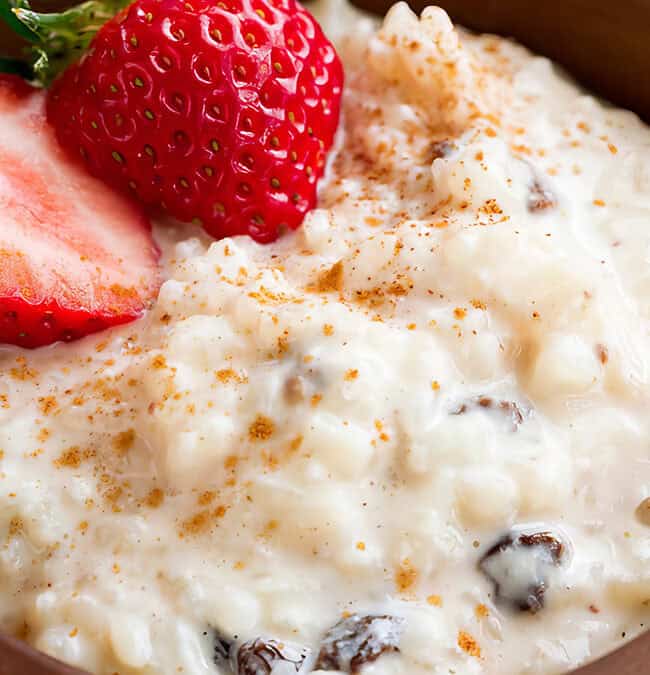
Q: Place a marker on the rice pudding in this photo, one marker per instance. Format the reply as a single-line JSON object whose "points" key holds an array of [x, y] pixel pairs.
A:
{"points": [[410, 438]]}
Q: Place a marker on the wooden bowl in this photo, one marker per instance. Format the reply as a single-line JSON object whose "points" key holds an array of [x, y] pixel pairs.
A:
{"points": [[606, 46], [18, 658]]}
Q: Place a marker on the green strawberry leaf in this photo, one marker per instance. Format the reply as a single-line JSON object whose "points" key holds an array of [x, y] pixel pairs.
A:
{"points": [[58, 38], [7, 15]]}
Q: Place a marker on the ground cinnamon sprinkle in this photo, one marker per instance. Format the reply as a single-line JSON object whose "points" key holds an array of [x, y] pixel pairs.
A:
{"points": [[15, 526], [123, 442], [295, 444], [602, 353], [406, 576], [159, 362], [73, 457], [47, 404], [23, 372], [196, 524], [206, 497], [230, 463], [261, 429], [113, 496], [226, 375], [491, 207], [481, 611], [468, 644], [155, 498], [283, 343], [331, 279]]}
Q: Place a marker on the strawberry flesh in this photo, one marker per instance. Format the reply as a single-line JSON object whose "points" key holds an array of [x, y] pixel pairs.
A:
{"points": [[75, 258]]}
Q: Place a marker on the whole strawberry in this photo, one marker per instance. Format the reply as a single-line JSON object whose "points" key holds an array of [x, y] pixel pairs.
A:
{"points": [[218, 112]]}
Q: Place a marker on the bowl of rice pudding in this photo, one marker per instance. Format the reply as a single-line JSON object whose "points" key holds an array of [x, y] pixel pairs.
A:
{"points": [[409, 438]]}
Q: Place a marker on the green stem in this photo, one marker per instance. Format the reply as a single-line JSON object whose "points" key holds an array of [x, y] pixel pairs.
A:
{"points": [[7, 15], [58, 38]]}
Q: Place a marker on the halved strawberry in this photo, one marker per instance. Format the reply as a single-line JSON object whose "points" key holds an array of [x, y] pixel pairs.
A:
{"points": [[74, 257]]}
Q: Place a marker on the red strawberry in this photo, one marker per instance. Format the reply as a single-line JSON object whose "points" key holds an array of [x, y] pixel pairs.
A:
{"points": [[74, 257], [216, 111]]}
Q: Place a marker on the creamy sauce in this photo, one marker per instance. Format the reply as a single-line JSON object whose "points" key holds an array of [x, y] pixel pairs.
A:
{"points": [[348, 421]]}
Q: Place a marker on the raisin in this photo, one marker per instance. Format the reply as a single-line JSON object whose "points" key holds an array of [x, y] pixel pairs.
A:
{"points": [[259, 657], [512, 409], [222, 648], [302, 384], [540, 198], [295, 389], [358, 640], [643, 511], [508, 408], [521, 566], [438, 149]]}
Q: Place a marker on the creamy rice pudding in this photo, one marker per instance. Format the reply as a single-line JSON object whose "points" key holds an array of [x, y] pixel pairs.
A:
{"points": [[411, 437]]}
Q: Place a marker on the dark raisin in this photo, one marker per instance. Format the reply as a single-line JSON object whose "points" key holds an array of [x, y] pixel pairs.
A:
{"points": [[259, 657], [522, 565], [509, 408], [302, 384], [512, 409], [222, 648], [540, 198], [438, 149], [295, 389], [643, 511], [358, 640]]}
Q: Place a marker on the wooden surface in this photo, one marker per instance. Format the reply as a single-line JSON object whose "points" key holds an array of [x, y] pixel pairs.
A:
{"points": [[606, 46]]}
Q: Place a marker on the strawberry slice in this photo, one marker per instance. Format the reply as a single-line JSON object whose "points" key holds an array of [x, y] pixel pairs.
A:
{"points": [[75, 258]]}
